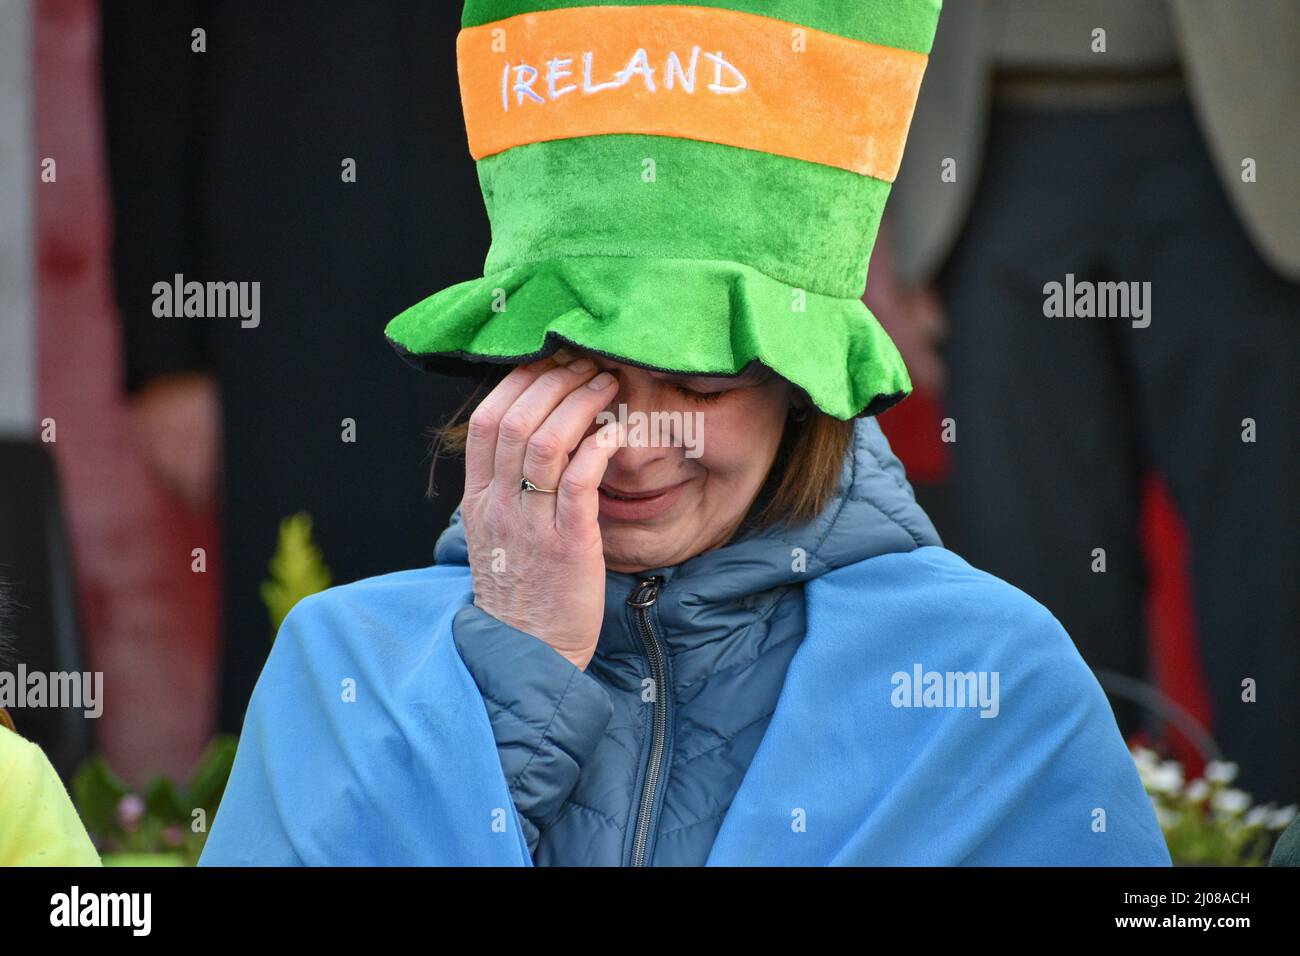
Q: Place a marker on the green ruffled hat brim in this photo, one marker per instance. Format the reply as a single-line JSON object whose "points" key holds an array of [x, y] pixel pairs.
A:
{"points": [[656, 313]]}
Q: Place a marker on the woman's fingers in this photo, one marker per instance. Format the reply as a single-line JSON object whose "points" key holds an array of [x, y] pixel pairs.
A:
{"points": [[547, 452], [522, 419], [577, 505], [481, 441], [531, 425]]}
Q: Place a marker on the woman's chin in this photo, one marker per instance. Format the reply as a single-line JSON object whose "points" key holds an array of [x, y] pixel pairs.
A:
{"points": [[629, 550]]}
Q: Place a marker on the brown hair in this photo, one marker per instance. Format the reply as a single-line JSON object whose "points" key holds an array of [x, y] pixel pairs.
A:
{"points": [[801, 483]]}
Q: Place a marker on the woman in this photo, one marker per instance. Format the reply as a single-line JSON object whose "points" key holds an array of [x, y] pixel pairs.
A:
{"points": [[38, 824], [688, 611]]}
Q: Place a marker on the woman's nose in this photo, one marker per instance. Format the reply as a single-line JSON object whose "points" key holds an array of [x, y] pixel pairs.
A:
{"points": [[649, 433], [639, 451]]}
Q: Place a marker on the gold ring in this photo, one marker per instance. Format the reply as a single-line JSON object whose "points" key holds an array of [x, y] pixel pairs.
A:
{"points": [[526, 485]]}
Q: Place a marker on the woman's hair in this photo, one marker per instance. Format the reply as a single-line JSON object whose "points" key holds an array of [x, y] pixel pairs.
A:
{"points": [[800, 484]]}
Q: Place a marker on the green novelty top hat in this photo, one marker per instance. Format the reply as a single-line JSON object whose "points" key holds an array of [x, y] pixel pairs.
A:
{"points": [[685, 187]]}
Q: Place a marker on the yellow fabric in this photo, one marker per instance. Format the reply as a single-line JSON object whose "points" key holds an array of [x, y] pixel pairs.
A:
{"points": [[38, 824], [701, 73]]}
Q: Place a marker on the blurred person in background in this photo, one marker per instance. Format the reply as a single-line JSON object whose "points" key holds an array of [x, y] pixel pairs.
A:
{"points": [[297, 145], [1130, 141]]}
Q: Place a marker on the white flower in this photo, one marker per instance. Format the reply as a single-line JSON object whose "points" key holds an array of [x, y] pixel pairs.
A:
{"points": [[1231, 801], [1167, 778], [1281, 819], [1144, 758], [1220, 771], [1197, 790], [1258, 816]]}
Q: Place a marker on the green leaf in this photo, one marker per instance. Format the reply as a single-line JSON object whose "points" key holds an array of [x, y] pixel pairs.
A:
{"points": [[164, 803], [96, 791], [297, 569], [209, 780]]}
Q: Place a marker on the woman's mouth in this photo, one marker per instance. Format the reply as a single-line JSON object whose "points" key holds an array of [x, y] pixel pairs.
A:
{"points": [[618, 504]]}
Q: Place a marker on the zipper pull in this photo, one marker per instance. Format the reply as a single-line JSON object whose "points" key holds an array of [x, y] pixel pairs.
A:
{"points": [[646, 592]]}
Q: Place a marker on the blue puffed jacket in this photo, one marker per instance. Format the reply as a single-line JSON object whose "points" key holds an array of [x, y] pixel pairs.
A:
{"points": [[846, 692]]}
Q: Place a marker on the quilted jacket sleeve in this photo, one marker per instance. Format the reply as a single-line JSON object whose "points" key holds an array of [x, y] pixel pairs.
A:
{"points": [[547, 715]]}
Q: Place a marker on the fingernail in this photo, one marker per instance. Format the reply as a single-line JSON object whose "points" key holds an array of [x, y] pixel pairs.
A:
{"points": [[582, 366], [562, 356], [603, 380]]}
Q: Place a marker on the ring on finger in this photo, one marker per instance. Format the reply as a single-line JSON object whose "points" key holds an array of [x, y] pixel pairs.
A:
{"points": [[526, 485]]}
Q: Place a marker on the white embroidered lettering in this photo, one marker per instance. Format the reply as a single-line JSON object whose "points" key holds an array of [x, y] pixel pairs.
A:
{"points": [[553, 73], [525, 86], [675, 65], [639, 63], [586, 77], [716, 86], [727, 77]]}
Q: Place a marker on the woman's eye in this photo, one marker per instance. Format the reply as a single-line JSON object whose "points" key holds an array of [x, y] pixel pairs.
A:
{"points": [[698, 396]]}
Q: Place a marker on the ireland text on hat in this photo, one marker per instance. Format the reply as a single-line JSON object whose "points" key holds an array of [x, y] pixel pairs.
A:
{"points": [[726, 77], [703, 73]]}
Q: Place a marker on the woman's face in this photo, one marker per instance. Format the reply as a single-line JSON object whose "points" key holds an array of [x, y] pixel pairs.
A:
{"points": [[697, 450]]}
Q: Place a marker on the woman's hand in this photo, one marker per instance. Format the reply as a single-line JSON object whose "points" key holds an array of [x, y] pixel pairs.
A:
{"points": [[536, 559]]}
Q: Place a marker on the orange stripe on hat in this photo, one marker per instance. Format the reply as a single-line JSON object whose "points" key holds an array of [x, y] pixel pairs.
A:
{"points": [[701, 73]]}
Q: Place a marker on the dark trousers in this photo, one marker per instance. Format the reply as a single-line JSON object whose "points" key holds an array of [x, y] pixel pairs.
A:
{"points": [[1058, 419]]}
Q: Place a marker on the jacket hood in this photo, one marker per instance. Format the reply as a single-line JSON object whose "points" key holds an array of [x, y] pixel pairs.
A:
{"points": [[873, 512]]}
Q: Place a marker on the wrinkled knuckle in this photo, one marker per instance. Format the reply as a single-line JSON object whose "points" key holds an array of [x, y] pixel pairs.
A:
{"points": [[514, 427], [544, 446], [558, 374], [482, 423]]}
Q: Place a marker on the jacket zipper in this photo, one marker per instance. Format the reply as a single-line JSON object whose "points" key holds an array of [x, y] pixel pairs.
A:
{"points": [[641, 600]]}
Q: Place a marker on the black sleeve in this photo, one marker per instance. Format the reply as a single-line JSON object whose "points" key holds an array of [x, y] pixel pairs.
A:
{"points": [[151, 84]]}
